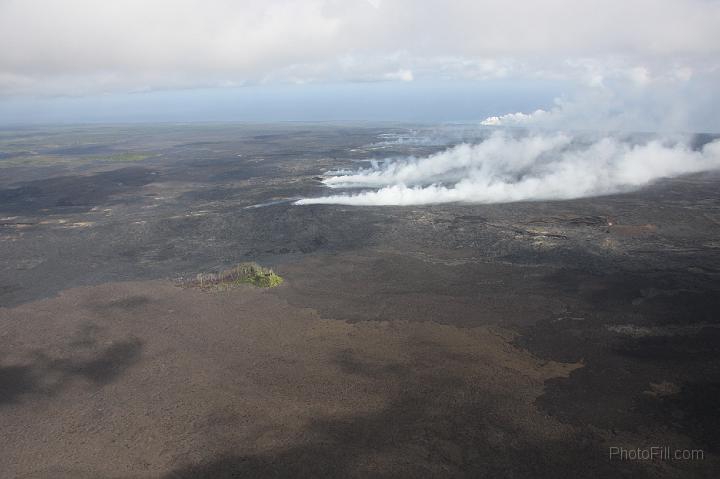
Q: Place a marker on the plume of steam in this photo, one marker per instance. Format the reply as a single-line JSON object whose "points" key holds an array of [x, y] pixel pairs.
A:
{"points": [[503, 168], [514, 119]]}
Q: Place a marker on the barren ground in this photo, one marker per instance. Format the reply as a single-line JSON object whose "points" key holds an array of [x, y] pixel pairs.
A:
{"points": [[516, 340]]}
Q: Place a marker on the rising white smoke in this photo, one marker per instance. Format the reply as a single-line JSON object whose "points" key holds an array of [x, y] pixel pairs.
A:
{"points": [[536, 167], [514, 119]]}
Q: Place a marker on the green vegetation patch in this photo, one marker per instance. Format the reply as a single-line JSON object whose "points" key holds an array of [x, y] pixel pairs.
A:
{"points": [[244, 273]]}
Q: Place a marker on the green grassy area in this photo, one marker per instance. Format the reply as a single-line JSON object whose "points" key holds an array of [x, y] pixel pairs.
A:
{"points": [[244, 273]]}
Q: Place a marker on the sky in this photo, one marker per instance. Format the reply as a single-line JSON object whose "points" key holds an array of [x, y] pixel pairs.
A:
{"points": [[641, 65]]}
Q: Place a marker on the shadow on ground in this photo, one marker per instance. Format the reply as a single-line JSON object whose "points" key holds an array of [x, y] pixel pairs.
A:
{"points": [[47, 375]]}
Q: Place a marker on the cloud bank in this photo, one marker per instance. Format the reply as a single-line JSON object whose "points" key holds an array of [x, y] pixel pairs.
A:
{"points": [[619, 64], [506, 168], [72, 46]]}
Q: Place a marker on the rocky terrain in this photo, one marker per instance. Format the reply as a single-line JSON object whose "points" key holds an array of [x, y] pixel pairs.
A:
{"points": [[458, 340]]}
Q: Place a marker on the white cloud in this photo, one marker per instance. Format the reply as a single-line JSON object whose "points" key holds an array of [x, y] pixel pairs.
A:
{"points": [[536, 167], [402, 75], [58, 46], [641, 64], [640, 75]]}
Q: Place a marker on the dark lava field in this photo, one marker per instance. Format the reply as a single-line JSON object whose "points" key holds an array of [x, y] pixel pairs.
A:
{"points": [[457, 340]]}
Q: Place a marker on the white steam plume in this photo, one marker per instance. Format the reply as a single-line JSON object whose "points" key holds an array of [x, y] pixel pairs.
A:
{"points": [[513, 119], [535, 167]]}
